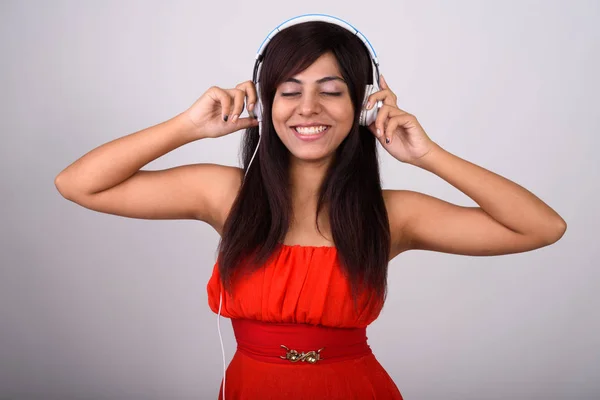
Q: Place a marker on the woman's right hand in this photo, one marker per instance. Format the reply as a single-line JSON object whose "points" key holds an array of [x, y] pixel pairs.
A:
{"points": [[216, 112]]}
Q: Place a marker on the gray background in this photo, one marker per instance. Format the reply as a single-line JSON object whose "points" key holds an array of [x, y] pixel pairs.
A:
{"points": [[94, 306]]}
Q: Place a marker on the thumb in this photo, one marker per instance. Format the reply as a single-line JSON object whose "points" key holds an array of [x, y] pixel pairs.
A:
{"points": [[246, 122], [373, 128]]}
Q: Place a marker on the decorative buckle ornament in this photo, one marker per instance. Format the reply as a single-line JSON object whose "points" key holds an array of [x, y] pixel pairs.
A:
{"points": [[310, 357]]}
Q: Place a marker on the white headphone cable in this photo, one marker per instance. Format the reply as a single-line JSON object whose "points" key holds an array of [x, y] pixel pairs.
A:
{"points": [[255, 150], [221, 339]]}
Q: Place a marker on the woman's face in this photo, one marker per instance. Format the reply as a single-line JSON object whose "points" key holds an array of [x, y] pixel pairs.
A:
{"points": [[312, 112]]}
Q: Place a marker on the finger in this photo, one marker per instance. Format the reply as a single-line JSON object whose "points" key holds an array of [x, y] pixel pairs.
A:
{"points": [[251, 94], [385, 95], [400, 120], [238, 103], [383, 83], [392, 125], [380, 121], [224, 100], [385, 113]]}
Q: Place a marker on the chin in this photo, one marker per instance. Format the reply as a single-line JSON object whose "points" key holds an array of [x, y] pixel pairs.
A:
{"points": [[311, 156]]}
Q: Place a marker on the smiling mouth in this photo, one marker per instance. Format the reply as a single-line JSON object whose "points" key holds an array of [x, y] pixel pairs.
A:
{"points": [[309, 131]]}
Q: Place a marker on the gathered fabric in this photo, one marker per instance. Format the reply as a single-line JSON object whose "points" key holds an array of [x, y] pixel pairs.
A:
{"points": [[299, 334]]}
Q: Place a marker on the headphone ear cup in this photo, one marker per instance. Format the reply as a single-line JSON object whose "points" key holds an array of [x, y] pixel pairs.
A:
{"points": [[367, 117], [257, 111]]}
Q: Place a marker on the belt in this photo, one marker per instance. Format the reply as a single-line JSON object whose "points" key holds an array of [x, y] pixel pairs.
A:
{"points": [[285, 343]]}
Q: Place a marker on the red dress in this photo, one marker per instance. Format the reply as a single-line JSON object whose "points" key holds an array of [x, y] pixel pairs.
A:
{"points": [[301, 284]]}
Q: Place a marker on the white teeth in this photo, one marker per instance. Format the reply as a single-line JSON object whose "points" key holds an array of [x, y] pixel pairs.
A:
{"points": [[313, 130]]}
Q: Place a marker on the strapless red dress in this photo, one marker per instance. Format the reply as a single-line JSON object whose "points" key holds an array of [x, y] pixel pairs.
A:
{"points": [[301, 285]]}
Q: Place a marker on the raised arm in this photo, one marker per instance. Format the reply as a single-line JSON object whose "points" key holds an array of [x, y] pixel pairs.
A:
{"points": [[109, 178]]}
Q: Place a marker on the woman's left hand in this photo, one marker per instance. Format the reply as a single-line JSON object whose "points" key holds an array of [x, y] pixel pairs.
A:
{"points": [[400, 132]]}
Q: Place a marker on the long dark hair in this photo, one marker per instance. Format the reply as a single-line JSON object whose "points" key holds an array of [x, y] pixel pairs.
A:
{"points": [[260, 216]]}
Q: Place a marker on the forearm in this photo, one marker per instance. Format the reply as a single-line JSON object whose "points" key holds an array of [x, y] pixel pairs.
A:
{"points": [[112, 163], [507, 202]]}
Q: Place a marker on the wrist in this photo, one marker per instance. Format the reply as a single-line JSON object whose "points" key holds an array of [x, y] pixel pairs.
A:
{"points": [[185, 127], [426, 159]]}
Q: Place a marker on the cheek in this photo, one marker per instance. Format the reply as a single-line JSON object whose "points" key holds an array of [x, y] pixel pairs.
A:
{"points": [[279, 113], [346, 119], [346, 114], [280, 116]]}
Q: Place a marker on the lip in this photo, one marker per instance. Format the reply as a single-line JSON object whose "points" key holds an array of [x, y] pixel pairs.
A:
{"points": [[307, 125], [310, 138]]}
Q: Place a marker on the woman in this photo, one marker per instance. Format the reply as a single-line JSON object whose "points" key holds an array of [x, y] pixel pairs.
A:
{"points": [[306, 230]]}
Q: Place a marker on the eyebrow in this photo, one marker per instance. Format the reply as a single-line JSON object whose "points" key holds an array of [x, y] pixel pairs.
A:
{"points": [[322, 80]]}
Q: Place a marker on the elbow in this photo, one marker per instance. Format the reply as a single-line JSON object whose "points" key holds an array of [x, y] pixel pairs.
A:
{"points": [[557, 231], [58, 183], [61, 186]]}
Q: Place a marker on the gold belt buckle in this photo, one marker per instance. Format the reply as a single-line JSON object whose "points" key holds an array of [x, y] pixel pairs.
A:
{"points": [[311, 357]]}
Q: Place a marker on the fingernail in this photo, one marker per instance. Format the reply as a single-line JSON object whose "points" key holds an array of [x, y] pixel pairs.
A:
{"points": [[378, 132], [234, 118], [387, 140], [225, 118], [369, 105], [250, 106]]}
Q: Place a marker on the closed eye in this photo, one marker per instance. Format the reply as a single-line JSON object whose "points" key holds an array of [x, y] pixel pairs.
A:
{"points": [[325, 93]]}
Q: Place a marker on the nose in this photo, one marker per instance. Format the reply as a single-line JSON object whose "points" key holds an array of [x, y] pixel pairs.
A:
{"points": [[309, 104]]}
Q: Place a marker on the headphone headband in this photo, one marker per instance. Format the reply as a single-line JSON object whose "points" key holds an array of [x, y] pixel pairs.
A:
{"points": [[317, 17]]}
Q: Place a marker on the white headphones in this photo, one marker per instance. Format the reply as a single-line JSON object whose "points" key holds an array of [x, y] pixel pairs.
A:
{"points": [[367, 117]]}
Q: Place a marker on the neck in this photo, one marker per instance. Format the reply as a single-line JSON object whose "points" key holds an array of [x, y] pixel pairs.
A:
{"points": [[305, 180]]}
